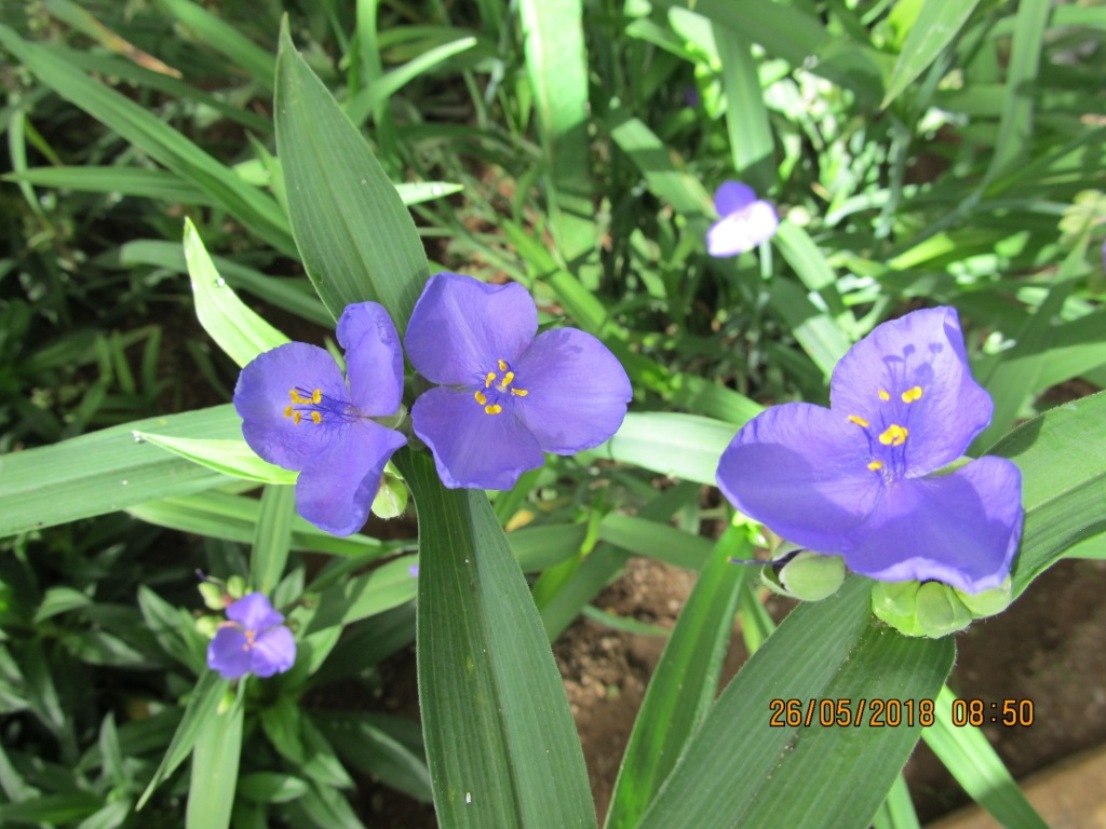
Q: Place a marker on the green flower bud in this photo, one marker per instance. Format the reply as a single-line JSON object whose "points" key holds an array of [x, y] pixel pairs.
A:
{"points": [[391, 498], [212, 595], [808, 576], [236, 587]]}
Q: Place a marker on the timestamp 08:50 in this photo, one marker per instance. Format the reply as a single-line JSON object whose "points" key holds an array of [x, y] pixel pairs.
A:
{"points": [[893, 713]]}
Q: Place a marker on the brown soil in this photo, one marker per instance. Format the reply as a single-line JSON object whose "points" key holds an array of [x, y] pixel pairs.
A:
{"points": [[1050, 647]]}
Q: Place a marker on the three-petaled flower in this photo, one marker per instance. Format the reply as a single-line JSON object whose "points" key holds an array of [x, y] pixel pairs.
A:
{"points": [[253, 641], [505, 396], [857, 479], [298, 412], [745, 221]]}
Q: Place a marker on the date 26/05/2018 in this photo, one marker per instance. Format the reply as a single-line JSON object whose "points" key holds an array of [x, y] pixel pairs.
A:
{"points": [[892, 713]]}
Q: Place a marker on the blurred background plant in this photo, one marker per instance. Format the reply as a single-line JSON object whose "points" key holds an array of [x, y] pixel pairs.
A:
{"points": [[569, 146]]}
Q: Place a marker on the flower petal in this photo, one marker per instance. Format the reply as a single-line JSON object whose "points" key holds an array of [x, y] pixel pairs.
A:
{"points": [[473, 449], [374, 359], [254, 612], [732, 196], [460, 327], [261, 398], [920, 353], [229, 652], [801, 470], [576, 391], [274, 652], [742, 231], [336, 490], [962, 529]]}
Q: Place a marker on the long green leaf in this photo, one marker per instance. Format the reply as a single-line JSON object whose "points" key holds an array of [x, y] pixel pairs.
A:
{"points": [[357, 240], [215, 769], [686, 446], [500, 741], [936, 26], [810, 775], [107, 471], [683, 685]]}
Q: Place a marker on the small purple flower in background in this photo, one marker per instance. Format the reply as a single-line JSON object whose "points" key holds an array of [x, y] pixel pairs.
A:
{"points": [[505, 396], [254, 641], [856, 479], [745, 222], [298, 412]]}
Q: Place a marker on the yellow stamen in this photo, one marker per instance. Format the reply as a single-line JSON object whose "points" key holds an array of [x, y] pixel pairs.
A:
{"points": [[502, 365], [910, 395], [494, 409], [488, 380], [317, 396], [296, 418], [859, 421], [884, 396], [875, 466], [288, 411], [519, 392], [316, 417], [506, 381], [893, 435], [481, 398]]}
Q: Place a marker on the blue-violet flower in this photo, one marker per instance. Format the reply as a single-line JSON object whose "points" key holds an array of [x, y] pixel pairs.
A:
{"points": [[857, 479], [746, 220], [254, 641], [505, 396], [300, 413]]}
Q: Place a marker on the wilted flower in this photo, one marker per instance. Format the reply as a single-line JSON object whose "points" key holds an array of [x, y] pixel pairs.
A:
{"points": [[254, 641], [857, 479], [505, 395], [746, 220], [300, 413]]}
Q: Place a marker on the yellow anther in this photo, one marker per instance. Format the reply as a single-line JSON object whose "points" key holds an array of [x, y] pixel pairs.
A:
{"points": [[884, 396], [859, 421], [317, 396], [506, 381], [893, 435], [489, 379], [519, 392], [316, 417], [875, 466], [502, 365], [493, 409], [288, 411], [296, 418], [910, 395], [481, 398]]}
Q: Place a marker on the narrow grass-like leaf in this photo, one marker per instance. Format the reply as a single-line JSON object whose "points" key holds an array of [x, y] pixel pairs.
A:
{"points": [[751, 144], [500, 741], [215, 769], [239, 331], [107, 471], [357, 240], [1062, 456], [127, 181], [897, 811], [761, 775], [254, 209], [683, 685], [968, 756], [655, 540], [219, 35], [273, 539], [556, 64], [199, 712], [686, 446], [936, 26], [229, 457]]}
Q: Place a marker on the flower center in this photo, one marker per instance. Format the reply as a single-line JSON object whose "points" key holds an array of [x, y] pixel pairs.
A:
{"points": [[498, 386], [312, 405], [886, 446], [251, 636]]}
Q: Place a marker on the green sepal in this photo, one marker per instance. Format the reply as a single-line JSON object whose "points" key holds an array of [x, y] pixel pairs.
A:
{"points": [[808, 576], [391, 498], [933, 609]]}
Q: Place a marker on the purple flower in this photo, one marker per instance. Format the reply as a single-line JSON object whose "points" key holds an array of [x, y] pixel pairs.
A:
{"points": [[254, 641], [505, 396], [857, 479], [746, 220], [300, 413]]}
